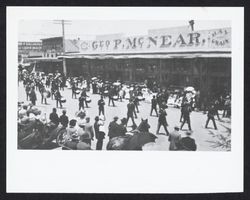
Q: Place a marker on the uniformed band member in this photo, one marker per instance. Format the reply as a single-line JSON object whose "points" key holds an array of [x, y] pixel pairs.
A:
{"points": [[186, 116], [210, 116], [58, 97], [154, 106], [162, 121], [131, 111], [101, 104]]}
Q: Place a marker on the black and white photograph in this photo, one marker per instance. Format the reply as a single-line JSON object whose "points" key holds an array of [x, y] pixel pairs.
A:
{"points": [[124, 85], [136, 88]]}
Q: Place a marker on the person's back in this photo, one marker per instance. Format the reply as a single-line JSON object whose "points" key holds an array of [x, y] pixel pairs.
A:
{"points": [[162, 116], [89, 130], [154, 102], [131, 108], [64, 120], [188, 144], [54, 118], [174, 139], [113, 129]]}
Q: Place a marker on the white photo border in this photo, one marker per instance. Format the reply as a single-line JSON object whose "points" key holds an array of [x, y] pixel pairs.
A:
{"points": [[125, 172]]}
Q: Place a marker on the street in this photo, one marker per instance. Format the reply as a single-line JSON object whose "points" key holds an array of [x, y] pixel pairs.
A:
{"points": [[204, 137]]}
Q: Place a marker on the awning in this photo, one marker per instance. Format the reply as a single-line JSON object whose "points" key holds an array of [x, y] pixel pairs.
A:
{"points": [[151, 56], [42, 59]]}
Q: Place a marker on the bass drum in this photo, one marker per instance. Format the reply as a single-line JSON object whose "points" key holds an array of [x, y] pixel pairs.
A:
{"points": [[88, 100], [115, 98], [63, 100]]}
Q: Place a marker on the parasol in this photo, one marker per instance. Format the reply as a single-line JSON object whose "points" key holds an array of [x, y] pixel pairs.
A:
{"points": [[94, 78]]}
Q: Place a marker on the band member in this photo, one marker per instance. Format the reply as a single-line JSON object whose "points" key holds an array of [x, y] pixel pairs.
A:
{"points": [[154, 106], [27, 90], [131, 111], [111, 94], [101, 104], [162, 121], [73, 87], [210, 116], [136, 102], [82, 100], [58, 97], [186, 116], [32, 96], [43, 95]]}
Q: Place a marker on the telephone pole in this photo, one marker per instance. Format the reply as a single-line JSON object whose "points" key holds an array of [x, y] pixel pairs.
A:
{"points": [[63, 22]]}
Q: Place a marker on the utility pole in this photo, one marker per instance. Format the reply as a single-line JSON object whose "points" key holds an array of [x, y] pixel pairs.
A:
{"points": [[63, 22]]}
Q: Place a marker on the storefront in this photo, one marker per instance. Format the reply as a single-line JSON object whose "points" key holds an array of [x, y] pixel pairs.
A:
{"points": [[201, 59]]}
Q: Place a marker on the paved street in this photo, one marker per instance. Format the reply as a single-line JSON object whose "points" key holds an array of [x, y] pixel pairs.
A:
{"points": [[198, 119]]}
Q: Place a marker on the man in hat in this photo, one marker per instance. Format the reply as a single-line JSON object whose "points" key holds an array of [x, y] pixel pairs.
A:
{"points": [[174, 139], [64, 120], [101, 104], [113, 128], [187, 143], [154, 106], [122, 126], [162, 121]]}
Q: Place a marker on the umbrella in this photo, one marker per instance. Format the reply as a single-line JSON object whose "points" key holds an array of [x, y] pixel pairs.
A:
{"points": [[94, 78], [139, 139]]}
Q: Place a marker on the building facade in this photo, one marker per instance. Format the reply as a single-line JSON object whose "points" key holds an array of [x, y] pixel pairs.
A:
{"points": [[201, 59]]}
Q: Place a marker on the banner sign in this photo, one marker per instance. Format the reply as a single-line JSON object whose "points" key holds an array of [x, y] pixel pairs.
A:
{"points": [[204, 40]]}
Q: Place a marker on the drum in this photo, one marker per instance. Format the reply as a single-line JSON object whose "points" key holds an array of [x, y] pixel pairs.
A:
{"points": [[141, 98], [77, 91], [88, 100], [63, 100], [115, 98], [106, 92]]}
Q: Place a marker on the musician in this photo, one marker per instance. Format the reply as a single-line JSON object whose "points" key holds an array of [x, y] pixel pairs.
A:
{"points": [[154, 106], [82, 99], [73, 87], [162, 121], [43, 95], [110, 95], [58, 97], [33, 96], [131, 111], [101, 104]]}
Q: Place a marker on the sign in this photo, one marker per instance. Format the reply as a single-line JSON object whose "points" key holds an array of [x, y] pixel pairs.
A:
{"points": [[205, 40]]}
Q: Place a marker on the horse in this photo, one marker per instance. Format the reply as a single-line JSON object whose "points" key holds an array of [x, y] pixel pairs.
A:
{"points": [[133, 140]]}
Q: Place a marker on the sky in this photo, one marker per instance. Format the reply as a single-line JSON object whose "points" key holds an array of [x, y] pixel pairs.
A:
{"points": [[34, 30]]}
